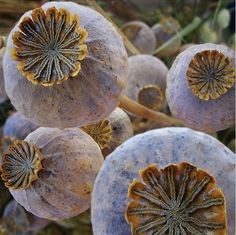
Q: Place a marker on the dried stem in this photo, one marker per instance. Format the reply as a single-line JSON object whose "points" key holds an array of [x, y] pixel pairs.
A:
{"points": [[127, 43], [140, 110]]}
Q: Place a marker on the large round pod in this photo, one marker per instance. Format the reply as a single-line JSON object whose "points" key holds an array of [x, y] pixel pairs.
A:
{"points": [[51, 173], [201, 87], [163, 147], [65, 65]]}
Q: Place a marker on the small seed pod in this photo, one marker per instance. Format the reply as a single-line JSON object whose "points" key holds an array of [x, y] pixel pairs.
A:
{"points": [[18, 220], [208, 35], [147, 81], [178, 199], [164, 31], [141, 35], [83, 219], [122, 130], [111, 132], [3, 95], [59, 66], [51, 173], [200, 87], [165, 146], [18, 127]]}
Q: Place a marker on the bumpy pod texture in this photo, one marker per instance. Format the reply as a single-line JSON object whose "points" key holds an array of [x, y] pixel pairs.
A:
{"points": [[3, 95], [146, 81], [163, 146], [179, 199], [200, 87], [141, 35], [18, 127], [71, 161], [164, 31], [92, 80]]}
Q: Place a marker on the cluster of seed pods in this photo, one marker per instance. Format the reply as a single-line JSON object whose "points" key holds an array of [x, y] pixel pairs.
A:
{"points": [[70, 147]]}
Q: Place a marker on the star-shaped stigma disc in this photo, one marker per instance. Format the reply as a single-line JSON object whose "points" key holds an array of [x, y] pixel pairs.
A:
{"points": [[50, 46], [176, 200]]}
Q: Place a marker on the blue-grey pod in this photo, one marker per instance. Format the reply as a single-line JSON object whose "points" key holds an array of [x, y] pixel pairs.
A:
{"points": [[163, 147], [201, 87]]}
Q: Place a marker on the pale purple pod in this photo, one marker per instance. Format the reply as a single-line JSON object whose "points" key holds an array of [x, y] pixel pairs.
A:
{"points": [[84, 99], [18, 127], [3, 95], [141, 35], [163, 147], [206, 115]]}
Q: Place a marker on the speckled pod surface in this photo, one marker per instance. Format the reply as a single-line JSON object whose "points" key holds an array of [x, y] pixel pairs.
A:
{"points": [[122, 129], [210, 115], [3, 95], [84, 99], [70, 165], [141, 35], [18, 127], [163, 147], [145, 70]]}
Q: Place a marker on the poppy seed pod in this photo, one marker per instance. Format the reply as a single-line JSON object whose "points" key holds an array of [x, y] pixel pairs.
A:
{"points": [[164, 31], [200, 87], [51, 173], [162, 147], [147, 81], [59, 66], [18, 127], [141, 35]]}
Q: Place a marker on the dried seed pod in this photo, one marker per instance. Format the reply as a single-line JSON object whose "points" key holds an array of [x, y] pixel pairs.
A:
{"points": [[200, 87], [3, 95], [141, 35], [164, 31], [18, 220], [163, 146], [179, 199], [62, 43], [51, 173], [18, 127], [122, 130], [147, 81]]}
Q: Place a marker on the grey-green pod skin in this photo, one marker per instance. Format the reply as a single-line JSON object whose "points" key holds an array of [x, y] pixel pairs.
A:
{"points": [[145, 70], [211, 115], [163, 147], [122, 129], [84, 99], [18, 127], [22, 219], [3, 95], [162, 37], [72, 160], [141, 35]]}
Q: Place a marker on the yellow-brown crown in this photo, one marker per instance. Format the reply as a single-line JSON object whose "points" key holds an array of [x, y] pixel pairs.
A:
{"points": [[49, 46], [210, 74], [21, 165], [179, 199]]}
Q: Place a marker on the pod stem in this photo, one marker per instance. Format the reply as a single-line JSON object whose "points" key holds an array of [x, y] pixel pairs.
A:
{"points": [[140, 110], [127, 42], [2, 41]]}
